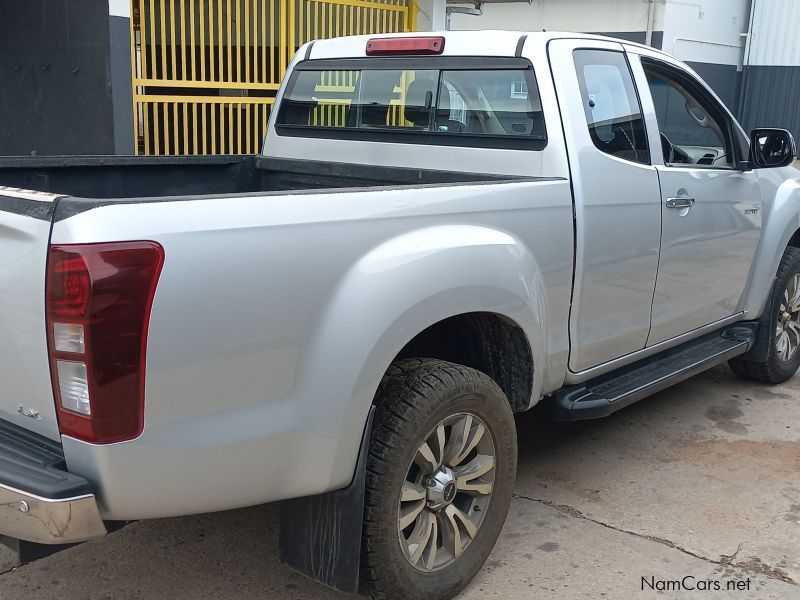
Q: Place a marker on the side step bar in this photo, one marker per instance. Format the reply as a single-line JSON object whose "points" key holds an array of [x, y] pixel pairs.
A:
{"points": [[608, 393]]}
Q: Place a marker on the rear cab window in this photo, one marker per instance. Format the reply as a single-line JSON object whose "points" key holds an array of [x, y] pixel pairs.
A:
{"points": [[426, 101]]}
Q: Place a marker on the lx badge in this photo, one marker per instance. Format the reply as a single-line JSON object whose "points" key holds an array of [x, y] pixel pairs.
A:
{"points": [[29, 412]]}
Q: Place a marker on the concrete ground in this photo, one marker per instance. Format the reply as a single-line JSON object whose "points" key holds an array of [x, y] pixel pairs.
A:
{"points": [[701, 481]]}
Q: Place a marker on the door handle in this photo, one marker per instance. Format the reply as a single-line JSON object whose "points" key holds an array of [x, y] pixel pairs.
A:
{"points": [[680, 202]]}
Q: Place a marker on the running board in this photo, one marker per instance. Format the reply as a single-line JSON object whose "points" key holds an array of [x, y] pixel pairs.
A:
{"points": [[608, 393]]}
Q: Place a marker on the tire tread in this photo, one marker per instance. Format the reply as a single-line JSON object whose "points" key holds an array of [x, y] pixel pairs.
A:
{"points": [[403, 402], [766, 367]]}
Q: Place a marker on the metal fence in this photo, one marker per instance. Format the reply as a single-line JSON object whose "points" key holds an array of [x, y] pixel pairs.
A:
{"points": [[205, 72]]}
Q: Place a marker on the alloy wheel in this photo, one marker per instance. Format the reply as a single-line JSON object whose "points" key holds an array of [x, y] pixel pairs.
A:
{"points": [[446, 492], [787, 331]]}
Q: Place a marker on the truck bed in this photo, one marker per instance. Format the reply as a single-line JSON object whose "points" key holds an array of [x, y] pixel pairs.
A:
{"points": [[117, 177]]}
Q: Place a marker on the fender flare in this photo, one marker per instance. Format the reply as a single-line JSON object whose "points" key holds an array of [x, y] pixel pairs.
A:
{"points": [[783, 221]]}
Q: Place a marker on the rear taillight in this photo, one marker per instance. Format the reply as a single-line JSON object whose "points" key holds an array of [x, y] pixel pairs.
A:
{"points": [[99, 298], [405, 45]]}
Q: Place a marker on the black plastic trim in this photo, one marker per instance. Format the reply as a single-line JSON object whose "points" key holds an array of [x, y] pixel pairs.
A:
{"points": [[308, 50], [609, 393], [35, 465], [520, 46], [94, 182], [315, 177], [381, 176], [420, 138], [27, 208], [103, 160], [320, 536]]}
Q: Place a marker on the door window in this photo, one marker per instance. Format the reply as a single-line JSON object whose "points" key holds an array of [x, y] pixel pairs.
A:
{"points": [[694, 129], [612, 107]]}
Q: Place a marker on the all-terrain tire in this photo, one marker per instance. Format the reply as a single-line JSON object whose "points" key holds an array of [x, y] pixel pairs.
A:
{"points": [[414, 397], [762, 362]]}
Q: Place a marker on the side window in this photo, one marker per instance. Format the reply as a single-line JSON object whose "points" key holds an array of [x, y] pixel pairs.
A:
{"points": [[694, 129], [612, 107]]}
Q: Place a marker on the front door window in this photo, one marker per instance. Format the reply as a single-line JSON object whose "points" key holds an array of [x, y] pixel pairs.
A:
{"points": [[694, 129]]}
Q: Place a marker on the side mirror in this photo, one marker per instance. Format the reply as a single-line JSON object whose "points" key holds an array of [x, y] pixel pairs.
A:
{"points": [[771, 148]]}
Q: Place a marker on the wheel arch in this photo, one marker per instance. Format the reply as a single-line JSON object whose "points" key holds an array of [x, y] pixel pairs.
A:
{"points": [[794, 240], [404, 288], [780, 230], [488, 342]]}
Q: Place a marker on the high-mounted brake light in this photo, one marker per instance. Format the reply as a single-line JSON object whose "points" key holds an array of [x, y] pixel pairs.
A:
{"points": [[405, 45], [99, 298]]}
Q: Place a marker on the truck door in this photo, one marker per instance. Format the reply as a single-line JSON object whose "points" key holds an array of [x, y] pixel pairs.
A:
{"points": [[711, 211], [617, 201]]}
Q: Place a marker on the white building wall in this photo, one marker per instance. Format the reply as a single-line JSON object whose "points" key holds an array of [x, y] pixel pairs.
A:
{"points": [[563, 15], [708, 31], [431, 16], [119, 8]]}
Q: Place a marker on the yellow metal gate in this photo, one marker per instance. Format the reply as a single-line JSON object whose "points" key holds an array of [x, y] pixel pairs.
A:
{"points": [[205, 72]]}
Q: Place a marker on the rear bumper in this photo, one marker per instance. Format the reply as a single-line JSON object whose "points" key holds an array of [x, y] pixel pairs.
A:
{"points": [[39, 500], [48, 521]]}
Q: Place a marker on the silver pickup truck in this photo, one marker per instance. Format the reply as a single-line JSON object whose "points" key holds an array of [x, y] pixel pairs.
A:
{"points": [[441, 231]]}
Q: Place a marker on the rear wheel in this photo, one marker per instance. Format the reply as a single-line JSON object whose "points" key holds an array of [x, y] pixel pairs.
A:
{"points": [[440, 474], [775, 357]]}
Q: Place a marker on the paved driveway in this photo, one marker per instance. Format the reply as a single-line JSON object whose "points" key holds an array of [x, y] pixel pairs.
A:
{"points": [[700, 482]]}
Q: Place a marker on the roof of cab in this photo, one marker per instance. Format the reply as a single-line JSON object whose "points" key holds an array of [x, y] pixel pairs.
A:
{"points": [[457, 43]]}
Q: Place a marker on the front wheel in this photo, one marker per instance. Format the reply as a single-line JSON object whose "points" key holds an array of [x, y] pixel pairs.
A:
{"points": [[440, 474], [775, 357]]}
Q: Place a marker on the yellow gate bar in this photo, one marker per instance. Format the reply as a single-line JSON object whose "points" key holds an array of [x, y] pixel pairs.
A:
{"points": [[180, 53]]}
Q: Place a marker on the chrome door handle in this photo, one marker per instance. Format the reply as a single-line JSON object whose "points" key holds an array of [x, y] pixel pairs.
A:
{"points": [[680, 202]]}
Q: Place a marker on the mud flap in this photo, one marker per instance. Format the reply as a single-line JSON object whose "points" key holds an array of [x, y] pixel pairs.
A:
{"points": [[320, 536]]}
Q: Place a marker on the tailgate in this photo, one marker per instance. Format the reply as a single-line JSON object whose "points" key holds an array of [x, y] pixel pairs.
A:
{"points": [[26, 395]]}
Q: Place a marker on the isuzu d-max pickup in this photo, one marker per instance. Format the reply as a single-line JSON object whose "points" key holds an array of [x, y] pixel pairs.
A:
{"points": [[441, 231]]}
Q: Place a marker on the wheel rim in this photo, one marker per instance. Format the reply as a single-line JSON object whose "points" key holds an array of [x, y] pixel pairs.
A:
{"points": [[446, 492], [787, 332]]}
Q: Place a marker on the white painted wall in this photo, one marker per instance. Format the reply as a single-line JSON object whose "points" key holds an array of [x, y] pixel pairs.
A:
{"points": [[119, 8], [563, 15], [431, 16], [694, 30], [706, 30]]}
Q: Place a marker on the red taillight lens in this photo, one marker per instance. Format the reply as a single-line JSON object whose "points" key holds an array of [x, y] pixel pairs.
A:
{"points": [[405, 45], [68, 294], [99, 298]]}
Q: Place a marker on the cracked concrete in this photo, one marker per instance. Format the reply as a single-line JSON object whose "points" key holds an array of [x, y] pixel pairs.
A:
{"points": [[712, 465], [754, 566], [701, 481]]}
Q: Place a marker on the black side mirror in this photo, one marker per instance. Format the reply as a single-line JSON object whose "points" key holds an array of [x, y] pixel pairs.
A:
{"points": [[771, 148]]}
